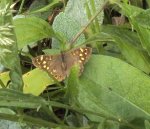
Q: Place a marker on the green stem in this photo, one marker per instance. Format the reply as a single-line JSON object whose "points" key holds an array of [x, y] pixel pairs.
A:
{"points": [[96, 24], [89, 15], [21, 6]]}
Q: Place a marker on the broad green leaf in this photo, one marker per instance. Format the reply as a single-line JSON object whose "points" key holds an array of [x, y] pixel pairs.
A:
{"points": [[112, 88], [36, 81], [68, 29], [74, 20], [31, 29], [121, 77], [81, 15]]}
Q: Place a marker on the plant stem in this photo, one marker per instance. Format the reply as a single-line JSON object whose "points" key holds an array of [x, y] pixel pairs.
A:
{"points": [[21, 6]]}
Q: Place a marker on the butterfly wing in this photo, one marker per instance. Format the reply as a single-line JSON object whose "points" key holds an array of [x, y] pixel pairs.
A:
{"points": [[78, 56], [59, 65], [50, 64]]}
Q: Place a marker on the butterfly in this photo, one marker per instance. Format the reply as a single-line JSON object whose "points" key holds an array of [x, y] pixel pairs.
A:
{"points": [[59, 65]]}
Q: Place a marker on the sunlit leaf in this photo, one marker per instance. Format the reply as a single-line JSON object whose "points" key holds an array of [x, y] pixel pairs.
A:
{"points": [[36, 81]]}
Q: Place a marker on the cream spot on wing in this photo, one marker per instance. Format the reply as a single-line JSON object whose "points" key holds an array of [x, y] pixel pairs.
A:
{"points": [[85, 53], [81, 49], [44, 66], [47, 68], [41, 58], [80, 61], [81, 54], [54, 70], [82, 58], [44, 62]]}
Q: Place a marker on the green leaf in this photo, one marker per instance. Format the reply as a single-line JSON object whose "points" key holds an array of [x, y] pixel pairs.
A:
{"points": [[139, 18], [31, 29], [74, 20], [38, 5], [80, 16], [51, 51], [112, 88], [47, 7], [129, 10], [129, 45], [68, 29], [142, 26], [36, 81], [5, 77], [12, 98], [6, 110]]}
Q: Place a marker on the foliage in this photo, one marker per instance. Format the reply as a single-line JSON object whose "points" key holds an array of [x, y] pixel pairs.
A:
{"points": [[113, 90]]}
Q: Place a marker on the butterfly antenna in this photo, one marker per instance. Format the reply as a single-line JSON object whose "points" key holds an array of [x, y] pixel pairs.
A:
{"points": [[89, 22]]}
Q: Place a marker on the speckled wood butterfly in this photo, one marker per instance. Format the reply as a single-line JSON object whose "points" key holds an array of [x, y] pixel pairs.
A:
{"points": [[59, 65]]}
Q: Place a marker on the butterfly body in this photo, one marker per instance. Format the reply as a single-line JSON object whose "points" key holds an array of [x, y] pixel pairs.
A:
{"points": [[59, 65]]}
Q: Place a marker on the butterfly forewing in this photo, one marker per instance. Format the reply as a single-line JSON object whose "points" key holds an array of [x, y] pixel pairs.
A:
{"points": [[50, 64], [59, 65]]}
